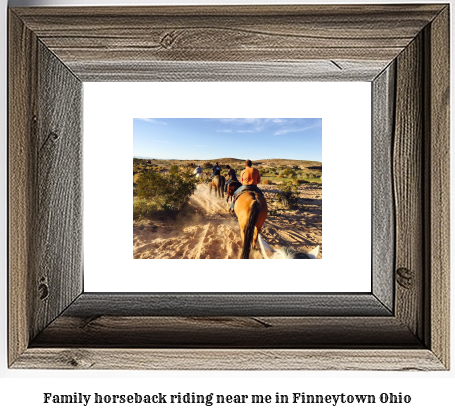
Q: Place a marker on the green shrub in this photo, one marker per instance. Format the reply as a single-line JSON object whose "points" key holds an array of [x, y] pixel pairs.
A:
{"points": [[287, 194], [143, 208], [311, 176], [174, 169], [170, 191], [289, 172]]}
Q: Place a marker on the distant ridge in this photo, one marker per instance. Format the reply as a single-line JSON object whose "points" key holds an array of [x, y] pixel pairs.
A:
{"points": [[232, 160]]}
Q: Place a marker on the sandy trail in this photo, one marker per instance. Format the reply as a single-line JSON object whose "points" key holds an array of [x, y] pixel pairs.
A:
{"points": [[205, 229]]}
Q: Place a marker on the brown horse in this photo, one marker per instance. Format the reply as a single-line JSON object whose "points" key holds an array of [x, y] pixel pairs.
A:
{"points": [[251, 210], [218, 184], [231, 188]]}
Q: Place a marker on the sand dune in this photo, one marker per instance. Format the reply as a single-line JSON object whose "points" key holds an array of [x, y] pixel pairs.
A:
{"points": [[205, 229]]}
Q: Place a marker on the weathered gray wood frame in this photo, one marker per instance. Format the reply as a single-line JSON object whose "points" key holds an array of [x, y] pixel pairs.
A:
{"points": [[403, 50]]}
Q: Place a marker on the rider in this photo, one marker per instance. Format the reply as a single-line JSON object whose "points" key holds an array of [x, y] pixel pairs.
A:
{"points": [[197, 170], [216, 170], [232, 177], [249, 178]]}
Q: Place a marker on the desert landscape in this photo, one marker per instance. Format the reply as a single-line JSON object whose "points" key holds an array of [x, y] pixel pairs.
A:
{"points": [[203, 228]]}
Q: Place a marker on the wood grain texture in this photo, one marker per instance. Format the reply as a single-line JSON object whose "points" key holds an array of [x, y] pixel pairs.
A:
{"points": [[439, 187], [235, 359], [213, 305], [57, 270], [21, 130], [227, 34], [408, 188], [383, 215], [308, 71], [256, 332]]}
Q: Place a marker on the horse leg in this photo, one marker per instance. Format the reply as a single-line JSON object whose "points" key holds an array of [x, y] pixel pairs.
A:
{"points": [[255, 238], [242, 234]]}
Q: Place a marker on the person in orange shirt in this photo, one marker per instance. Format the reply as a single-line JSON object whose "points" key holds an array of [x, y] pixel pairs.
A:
{"points": [[249, 178]]}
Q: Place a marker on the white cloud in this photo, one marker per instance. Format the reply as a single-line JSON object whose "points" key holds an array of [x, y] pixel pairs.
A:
{"points": [[276, 126], [253, 124], [240, 121], [224, 131], [283, 131], [153, 121]]}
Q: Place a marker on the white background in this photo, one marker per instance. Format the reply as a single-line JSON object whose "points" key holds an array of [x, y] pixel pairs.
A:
{"points": [[22, 391], [109, 109]]}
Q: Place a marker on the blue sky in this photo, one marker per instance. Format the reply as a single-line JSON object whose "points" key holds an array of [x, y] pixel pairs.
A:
{"points": [[242, 138]]}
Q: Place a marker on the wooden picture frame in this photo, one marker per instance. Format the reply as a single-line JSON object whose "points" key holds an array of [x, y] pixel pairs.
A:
{"points": [[403, 324]]}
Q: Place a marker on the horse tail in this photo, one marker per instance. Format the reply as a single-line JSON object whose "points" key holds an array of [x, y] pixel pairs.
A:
{"points": [[249, 228]]}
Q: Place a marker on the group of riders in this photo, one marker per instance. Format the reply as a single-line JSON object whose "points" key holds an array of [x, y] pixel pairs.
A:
{"points": [[249, 178]]}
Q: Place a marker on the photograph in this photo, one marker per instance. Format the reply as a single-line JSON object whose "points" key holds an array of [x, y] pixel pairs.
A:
{"points": [[227, 188]]}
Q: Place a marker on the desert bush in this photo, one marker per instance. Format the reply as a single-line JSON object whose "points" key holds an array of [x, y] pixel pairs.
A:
{"points": [[143, 208], [299, 181], [287, 194], [174, 169], [267, 181], [289, 172], [311, 176], [279, 176], [171, 191], [207, 165]]}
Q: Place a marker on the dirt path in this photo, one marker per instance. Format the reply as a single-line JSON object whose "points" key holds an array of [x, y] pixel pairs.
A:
{"points": [[205, 228]]}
